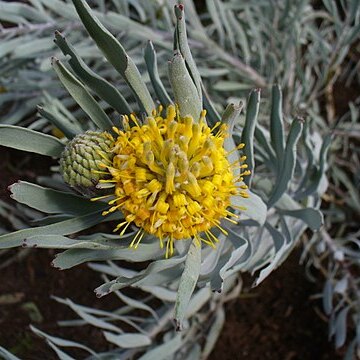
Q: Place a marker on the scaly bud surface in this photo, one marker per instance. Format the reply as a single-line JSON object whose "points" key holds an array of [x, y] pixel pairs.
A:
{"points": [[81, 162]]}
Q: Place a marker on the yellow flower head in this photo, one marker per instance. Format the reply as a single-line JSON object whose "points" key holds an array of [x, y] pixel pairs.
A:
{"points": [[172, 177]]}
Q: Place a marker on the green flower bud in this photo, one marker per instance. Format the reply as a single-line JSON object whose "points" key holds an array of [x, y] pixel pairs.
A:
{"points": [[81, 161]]}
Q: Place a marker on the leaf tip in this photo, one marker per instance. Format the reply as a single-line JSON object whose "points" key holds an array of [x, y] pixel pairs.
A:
{"points": [[178, 325], [11, 188]]}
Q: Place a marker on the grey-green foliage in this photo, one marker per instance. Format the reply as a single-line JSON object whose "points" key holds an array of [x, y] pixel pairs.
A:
{"points": [[267, 231], [335, 250], [230, 43], [27, 46]]}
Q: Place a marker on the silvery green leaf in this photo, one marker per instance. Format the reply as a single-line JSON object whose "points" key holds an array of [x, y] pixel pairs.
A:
{"points": [[312, 217], [247, 136], [7, 355], [274, 263], [188, 282], [227, 86], [164, 350], [136, 304], [152, 68], [128, 341], [350, 352], [106, 315], [29, 140], [181, 44], [160, 292], [211, 260], [216, 280], [61, 342], [235, 239], [7, 47], [16, 238], [21, 12], [212, 115], [235, 256], [194, 353], [328, 296], [286, 172], [277, 236], [115, 54], [68, 129], [61, 354], [315, 181], [153, 267], [230, 117], [52, 201], [162, 277], [277, 123], [341, 327], [185, 92], [82, 96], [261, 136], [73, 257], [62, 242], [214, 333], [286, 202], [93, 320], [341, 286], [255, 207], [197, 301], [99, 85], [110, 269]]}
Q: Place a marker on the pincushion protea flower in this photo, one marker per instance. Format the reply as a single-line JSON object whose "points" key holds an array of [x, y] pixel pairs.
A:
{"points": [[171, 178]]}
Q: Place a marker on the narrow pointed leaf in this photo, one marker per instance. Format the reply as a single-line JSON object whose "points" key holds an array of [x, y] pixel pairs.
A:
{"points": [[212, 115], [255, 208], [29, 140], [277, 122], [341, 327], [312, 217], [183, 87], [164, 350], [115, 54], [184, 48], [214, 333], [247, 136], [7, 355], [152, 68], [68, 130], [16, 238], [60, 342], [188, 282], [153, 268], [230, 117], [73, 257], [82, 96], [52, 201], [128, 341], [100, 86], [288, 163]]}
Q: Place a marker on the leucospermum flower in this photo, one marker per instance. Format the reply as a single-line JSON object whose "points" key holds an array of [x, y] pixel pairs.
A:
{"points": [[172, 178]]}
